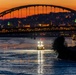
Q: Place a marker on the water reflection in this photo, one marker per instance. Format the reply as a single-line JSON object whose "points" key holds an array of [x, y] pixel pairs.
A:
{"points": [[34, 62], [40, 62]]}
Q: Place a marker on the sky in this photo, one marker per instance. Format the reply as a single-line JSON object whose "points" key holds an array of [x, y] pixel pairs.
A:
{"points": [[7, 4]]}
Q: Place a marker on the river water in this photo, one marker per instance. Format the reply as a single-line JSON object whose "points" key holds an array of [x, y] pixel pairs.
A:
{"points": [[19, 56]]}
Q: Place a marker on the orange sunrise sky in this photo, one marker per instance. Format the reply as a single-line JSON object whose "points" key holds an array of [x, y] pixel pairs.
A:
{"points": [[7, 4]]}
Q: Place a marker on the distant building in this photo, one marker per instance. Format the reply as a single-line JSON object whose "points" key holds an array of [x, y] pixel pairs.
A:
{"points": [[74, 40], [28, 25], [43, 25]]}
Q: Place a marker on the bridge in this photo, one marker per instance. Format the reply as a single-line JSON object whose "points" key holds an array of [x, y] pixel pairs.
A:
{"points": [[36, 7], [37, 18]]}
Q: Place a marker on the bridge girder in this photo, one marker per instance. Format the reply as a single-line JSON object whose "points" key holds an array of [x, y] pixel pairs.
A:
{"points": [[34, 5]]}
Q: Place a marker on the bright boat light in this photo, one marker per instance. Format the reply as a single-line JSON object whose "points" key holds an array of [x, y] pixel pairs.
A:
{"points": [[38, 42], [40, 45]]}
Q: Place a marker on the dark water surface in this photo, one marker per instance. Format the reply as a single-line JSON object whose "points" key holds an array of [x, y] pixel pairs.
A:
{"points": [[33, 62], [28, 61]]}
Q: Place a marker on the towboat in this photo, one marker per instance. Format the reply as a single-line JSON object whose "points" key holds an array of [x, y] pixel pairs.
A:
{"points": [[40, 45]]}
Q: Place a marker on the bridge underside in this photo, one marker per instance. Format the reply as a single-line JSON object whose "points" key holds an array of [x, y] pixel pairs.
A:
{"points": [[38, 32]]}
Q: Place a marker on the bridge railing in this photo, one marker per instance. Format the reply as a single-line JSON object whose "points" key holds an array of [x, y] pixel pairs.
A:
{"points": [[38, 29]]}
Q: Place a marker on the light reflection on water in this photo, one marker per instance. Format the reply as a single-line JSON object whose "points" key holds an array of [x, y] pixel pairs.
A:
{"points": [[40, 61], [34, 62], [23, 61], [17, 61]]}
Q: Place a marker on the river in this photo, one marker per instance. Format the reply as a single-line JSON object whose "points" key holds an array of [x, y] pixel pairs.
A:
{"points": [[19, 56]]}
